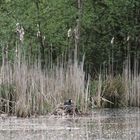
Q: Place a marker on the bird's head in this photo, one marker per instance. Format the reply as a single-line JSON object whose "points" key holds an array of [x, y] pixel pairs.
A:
{"points": [[70, 101]]}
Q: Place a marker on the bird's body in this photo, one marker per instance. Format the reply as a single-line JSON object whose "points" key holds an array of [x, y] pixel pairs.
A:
{"points": [[69, 106], [68, 102]]}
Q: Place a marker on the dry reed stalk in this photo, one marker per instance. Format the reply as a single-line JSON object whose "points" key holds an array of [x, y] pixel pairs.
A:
{"points": [[99, 91], [132, 82], [37, 91]]}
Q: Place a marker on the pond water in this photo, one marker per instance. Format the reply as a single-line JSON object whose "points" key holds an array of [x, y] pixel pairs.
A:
{"points": [[103, 124]]}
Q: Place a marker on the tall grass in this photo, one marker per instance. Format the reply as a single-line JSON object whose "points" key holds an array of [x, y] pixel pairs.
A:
{"points": [[132, 83], [121, 90], [28, 90]]}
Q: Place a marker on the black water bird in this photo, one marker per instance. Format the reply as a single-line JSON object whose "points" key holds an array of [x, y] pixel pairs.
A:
{"points": [[69, 106], [68, 102]]}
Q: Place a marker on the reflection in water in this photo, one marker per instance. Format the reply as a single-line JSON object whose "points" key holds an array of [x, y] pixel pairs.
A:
{"points": [[104, 124]]}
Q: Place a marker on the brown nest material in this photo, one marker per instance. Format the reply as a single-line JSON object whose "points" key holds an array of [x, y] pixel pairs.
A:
{"points": [[68, 108]]}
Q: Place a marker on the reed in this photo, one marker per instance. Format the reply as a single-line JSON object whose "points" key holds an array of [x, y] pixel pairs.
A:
{"points": [[28, 90], [132, 83], [121, 90]]}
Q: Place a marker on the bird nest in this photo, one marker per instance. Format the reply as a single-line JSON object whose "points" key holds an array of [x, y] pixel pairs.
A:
{"points": [[68, 108]]}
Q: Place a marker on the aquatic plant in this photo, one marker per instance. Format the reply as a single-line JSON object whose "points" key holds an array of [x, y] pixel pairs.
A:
{"points": [[27, 89], [121, 90]]}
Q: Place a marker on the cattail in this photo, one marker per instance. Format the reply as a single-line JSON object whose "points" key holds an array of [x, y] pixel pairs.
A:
{"points": [[76, 33], [38, 31], [112, 41], [69, 33], [20, 31], [128, 38]]}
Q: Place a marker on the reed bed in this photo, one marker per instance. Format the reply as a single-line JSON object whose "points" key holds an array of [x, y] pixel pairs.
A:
{"points": [[28, 90], [132, 83], [121, 90]]}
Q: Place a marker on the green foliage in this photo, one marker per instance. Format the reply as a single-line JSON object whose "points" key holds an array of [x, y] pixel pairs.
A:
{"points": [[100, 21]]}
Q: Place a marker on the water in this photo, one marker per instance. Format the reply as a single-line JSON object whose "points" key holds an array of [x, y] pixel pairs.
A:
{"points": [[104, 124]]}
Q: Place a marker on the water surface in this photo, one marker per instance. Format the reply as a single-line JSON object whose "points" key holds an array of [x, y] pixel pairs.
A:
{"points": [[103, 124]]}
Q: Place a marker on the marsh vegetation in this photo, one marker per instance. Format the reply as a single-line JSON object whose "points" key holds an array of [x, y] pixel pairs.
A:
{"points": [[51, 51]]}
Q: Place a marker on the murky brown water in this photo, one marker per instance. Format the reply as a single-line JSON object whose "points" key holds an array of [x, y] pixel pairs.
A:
{"points": [[105, 124]]}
